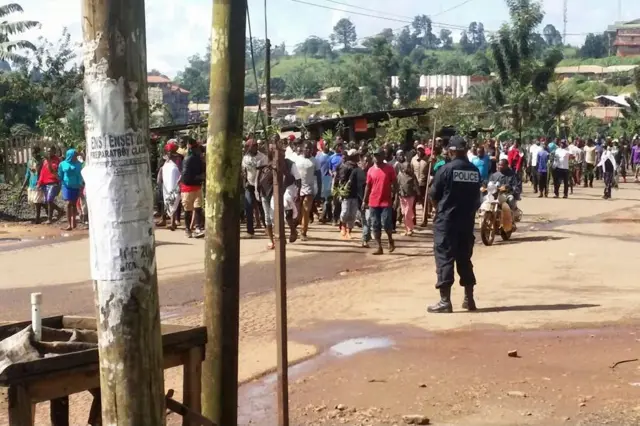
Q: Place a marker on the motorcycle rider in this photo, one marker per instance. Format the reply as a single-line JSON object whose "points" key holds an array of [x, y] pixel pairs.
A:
{"points": [[455, 190], [507, 179]]}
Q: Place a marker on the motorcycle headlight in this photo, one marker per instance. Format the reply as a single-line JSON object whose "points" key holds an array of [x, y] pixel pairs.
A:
{"points": [[492, 189]]}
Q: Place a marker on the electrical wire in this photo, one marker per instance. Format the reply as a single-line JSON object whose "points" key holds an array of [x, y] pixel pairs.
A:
{"points": [[255, 73], [433, 23], [400, 16]]}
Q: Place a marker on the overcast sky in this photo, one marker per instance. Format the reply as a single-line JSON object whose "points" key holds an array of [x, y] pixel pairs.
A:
{"points": [[177, 29]]}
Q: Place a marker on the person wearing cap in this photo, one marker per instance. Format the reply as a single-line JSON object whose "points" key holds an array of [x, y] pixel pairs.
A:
{"points": [[378, 198], [455, 190]]}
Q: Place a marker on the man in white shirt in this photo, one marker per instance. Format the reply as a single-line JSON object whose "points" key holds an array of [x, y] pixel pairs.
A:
{"points": [[534, 150], [309, 171], [590, 157], [577, 153], [561, 169], [252, 160]]}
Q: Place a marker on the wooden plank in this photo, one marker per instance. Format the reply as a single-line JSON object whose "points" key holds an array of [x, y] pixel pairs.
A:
{"points": [[182, 339], [63, 383], [192, 383], [20, 408], [87, 323], [59, 411], [10, 329], [82, 323]]}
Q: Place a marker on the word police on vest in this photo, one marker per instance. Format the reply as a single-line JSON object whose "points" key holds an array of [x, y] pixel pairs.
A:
{"points": [[467, 176]]}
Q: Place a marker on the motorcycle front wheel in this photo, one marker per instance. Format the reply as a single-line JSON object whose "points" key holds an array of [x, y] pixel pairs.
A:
{"points": [[487, 229]]}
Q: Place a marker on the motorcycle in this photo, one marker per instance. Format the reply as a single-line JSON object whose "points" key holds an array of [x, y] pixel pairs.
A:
{"points": [[496, 216]]}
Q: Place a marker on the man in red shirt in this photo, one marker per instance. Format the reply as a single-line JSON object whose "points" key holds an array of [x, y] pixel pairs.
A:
{"points": [[50, 183], [378, 198]]}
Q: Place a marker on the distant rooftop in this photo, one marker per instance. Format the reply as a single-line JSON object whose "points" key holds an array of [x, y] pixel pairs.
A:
{"points": [[158, 79], [595, 69], [624, 24]]}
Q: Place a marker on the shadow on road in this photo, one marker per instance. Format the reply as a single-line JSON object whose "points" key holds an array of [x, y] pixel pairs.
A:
{"points": [[534, 308], [533, 239]]}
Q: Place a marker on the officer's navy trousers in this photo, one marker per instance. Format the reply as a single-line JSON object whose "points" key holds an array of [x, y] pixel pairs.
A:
{"points": [[453, 248]]}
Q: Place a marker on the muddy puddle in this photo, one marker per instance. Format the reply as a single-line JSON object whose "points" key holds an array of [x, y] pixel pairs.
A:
{"points": [[258, 399]]}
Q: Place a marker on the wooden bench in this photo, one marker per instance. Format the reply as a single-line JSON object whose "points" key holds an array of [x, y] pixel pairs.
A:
{"points": [[55, 378]]}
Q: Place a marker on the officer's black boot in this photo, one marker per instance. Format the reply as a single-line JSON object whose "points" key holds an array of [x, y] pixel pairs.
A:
{"points": [[444, 305], [469, 303]]}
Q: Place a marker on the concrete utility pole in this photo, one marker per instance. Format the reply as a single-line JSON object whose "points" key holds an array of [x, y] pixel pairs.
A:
{"points": [[223, 194], [120, 202]]}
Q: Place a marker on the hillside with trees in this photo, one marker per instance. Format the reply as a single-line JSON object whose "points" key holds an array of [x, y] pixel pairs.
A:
{"points": [[347, 60]]}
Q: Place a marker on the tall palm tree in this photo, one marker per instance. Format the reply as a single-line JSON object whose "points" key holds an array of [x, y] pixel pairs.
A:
{"points": [[558, 100], [521, 77], [8, 48]]}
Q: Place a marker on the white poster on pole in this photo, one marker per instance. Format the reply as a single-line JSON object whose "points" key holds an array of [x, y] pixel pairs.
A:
{"points": [[117, 179]]}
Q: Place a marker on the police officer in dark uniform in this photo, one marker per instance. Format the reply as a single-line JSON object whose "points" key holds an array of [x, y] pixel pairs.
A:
{"points": [[456, 190]]}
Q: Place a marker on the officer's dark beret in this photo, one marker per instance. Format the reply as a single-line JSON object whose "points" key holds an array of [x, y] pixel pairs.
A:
{"points": [[457, 143]]}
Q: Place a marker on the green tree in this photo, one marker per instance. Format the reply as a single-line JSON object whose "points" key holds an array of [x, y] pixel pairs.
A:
{"points": [[19, 101], [446, 39], [522, 79], [552, 36], [57, 76], [278, 86], [314, 47], [408, 83], [405, 43], [465, 43], [558, 100], [476, 37], [344, 33], [9, 48], [423, 32], [595, 46], [302, 82], [196, 76]]}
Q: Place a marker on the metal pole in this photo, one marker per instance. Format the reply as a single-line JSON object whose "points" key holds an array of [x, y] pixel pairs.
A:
{"points": [[223, 195], [120, 203], [281, 256], [425, 212], [267, 78], [281, 287]]}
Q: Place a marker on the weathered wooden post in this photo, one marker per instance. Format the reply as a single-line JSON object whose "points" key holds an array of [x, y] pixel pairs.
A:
{"points": [[222, 212], [120, 203]]}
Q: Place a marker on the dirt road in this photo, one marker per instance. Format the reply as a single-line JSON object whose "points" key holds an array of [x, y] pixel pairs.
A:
{"points": [[361, 322]]}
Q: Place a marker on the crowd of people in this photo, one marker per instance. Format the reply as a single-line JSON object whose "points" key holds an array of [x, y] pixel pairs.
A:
{"points": [[47, 176], [345, 184], [349, 184]]}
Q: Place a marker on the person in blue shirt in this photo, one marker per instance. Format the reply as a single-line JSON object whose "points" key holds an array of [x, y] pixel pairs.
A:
{"points": [[69, 173], [483, 163], [323, 157], [543, 171], [336, 159]]}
